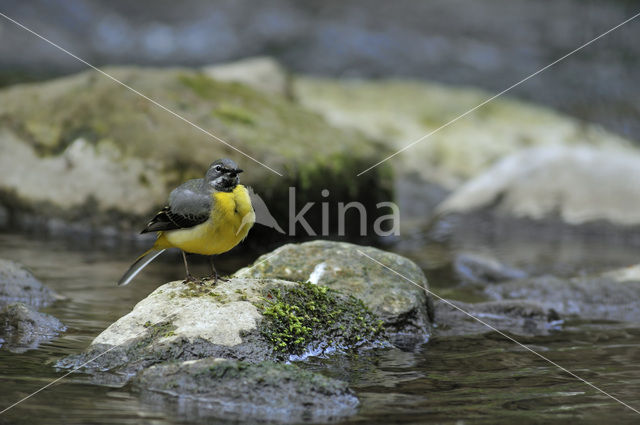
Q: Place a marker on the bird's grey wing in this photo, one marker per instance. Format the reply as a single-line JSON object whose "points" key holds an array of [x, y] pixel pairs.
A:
{"points": [[189, 205]]}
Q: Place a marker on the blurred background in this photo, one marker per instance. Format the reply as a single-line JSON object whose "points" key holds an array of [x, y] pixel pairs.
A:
{"points": [[490, 44], [533, 197]]}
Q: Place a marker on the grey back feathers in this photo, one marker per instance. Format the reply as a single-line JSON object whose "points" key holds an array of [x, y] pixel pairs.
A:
{"points": [[192, 198], [190, 204]]}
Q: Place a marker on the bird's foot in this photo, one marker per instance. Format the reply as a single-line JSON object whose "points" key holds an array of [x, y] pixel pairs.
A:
{"points": [[191, 279], [215, 278]]}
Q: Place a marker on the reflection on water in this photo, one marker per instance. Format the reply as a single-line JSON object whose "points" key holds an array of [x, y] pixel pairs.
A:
{"points": [[481, 379]]}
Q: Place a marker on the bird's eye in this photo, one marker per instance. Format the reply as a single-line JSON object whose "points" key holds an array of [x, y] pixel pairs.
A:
{"points": [[218, 168]]}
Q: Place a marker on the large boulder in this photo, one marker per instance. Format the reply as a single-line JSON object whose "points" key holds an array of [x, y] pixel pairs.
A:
{"points": [[243, 319], [89, 151], [225, 388], [403, 304], [577, 185], [401, 112]]}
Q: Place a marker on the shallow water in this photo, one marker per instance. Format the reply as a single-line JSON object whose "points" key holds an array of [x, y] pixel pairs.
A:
{"points": [[480, 379]]}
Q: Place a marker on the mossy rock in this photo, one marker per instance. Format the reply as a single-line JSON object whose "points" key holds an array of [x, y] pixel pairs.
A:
{"points": [[90, 150], [401, 302], [237, 319], [399, 112], [225, 388], [310, 318]]}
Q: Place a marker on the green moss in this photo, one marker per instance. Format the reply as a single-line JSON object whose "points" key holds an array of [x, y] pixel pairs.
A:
{"points": [[228, 369], [155, 331], [269, 374], [201, 85], [309, 316], [144, 181], [233, 114], [200, 289], [242, 293]]}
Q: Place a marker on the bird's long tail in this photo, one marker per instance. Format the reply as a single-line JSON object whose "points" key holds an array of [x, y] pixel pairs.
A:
{"points": [[139, 264]]}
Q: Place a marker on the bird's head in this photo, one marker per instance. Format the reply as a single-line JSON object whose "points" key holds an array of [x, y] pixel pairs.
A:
{"points": [[222, 175]]}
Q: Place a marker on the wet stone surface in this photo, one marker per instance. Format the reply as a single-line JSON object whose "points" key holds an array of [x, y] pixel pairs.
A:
{"points": [[225, 388]]}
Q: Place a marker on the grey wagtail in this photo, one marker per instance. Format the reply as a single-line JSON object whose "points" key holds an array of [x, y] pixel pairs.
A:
{"points": [[206, 216]]}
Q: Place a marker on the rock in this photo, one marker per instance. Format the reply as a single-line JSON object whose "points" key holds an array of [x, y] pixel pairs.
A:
{"points": [[625, 274], [17, 284], [515, 317], [22, 328], [614, 295], [401, 112], [91, 152], [261, 73], [481, 269], [405, 308], [578, 184], [238, 390], [244, 319]]}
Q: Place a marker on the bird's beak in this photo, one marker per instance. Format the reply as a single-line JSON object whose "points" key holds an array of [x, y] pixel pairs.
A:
{"points": [[238, 171]]}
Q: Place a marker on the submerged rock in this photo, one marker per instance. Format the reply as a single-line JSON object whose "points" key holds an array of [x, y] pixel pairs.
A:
{"points": [[17, 284], [266, 391], [515, 317], [576, 184], [244, 319], [481, 269], [22, 328], [613, 295], [405, 307]]}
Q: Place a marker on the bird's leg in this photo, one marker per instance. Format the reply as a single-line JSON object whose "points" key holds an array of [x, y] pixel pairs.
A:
{"points": [[189, 278], [214, 272]]}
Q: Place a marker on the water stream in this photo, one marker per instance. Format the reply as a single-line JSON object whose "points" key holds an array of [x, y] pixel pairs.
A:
{"points": [[479, 379]]}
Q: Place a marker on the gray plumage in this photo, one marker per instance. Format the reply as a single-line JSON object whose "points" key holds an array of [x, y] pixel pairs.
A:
{"points": [[191, 203], [192, 198]]}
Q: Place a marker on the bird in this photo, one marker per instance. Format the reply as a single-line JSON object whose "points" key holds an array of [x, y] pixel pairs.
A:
{"points": [[206, 216]]}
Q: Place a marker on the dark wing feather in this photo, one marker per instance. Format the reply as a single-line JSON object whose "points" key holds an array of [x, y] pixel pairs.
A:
{"points": [[165, 219], [189, 205]]}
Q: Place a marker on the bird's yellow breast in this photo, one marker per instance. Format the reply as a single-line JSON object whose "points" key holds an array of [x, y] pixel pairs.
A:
{"points": [[229, 223]]}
